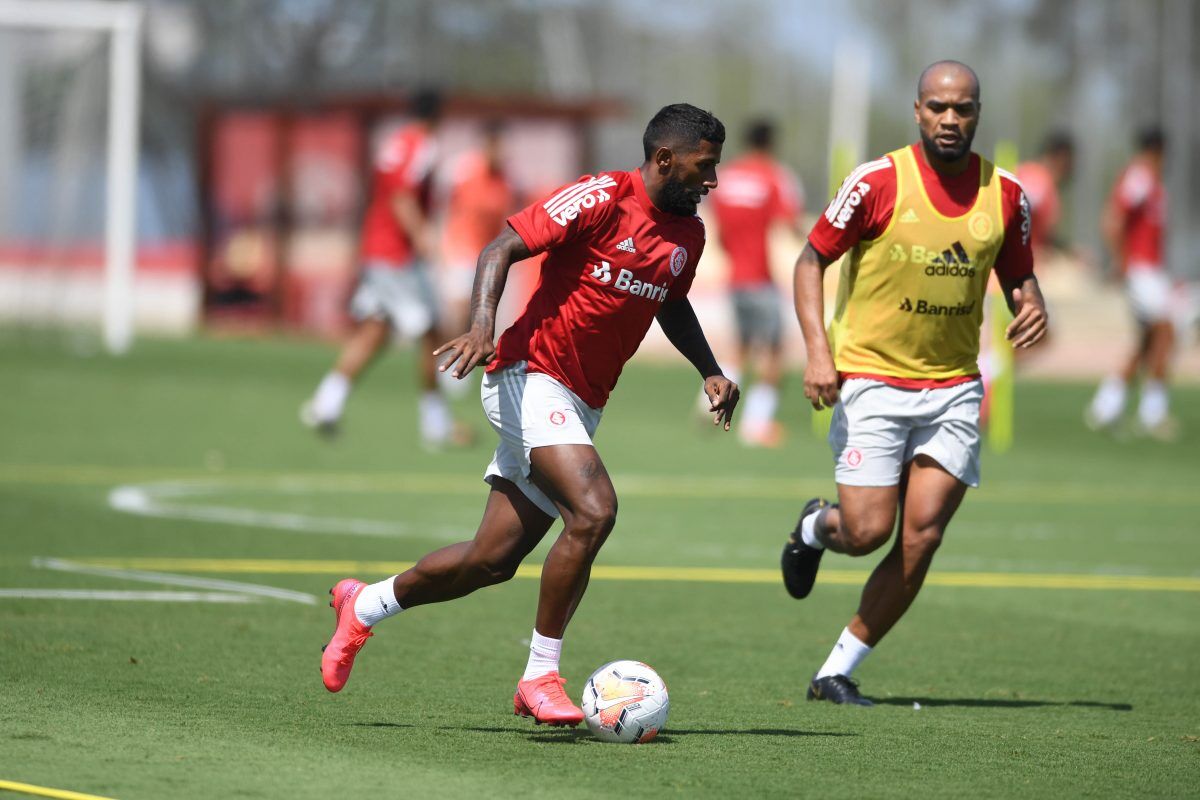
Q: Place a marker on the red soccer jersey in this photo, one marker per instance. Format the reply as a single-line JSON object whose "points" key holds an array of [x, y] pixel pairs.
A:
{"points": [[1044, 204], [612, 260], [754, 192], [837, 231], [402, 166], [1142, 203]]}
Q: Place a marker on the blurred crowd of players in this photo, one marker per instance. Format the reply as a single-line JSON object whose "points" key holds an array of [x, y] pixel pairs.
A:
{"points": [[429, 217]]}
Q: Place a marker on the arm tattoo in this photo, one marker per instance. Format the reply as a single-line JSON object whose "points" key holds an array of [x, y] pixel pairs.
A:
{"points": [[491, 272]]}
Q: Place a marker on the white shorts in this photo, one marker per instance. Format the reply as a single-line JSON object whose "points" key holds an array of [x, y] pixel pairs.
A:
{"points": [[1149, 291], [404, 296], [878, 428], [528, 410], [456, 280]]}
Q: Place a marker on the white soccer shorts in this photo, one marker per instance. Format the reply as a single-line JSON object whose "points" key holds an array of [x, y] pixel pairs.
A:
{"points": [[1149, 291], [878, 428], [528, 410], [404, 296]]}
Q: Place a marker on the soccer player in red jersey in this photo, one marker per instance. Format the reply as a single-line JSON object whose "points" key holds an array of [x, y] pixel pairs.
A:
{"points": [[756, 192], [1133, 226], [622, 249], [1040, 179], [922, 229], [395, 290]]}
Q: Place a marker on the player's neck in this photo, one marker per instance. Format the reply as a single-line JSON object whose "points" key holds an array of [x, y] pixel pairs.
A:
{"points": [[949, 168], [653, 188]]}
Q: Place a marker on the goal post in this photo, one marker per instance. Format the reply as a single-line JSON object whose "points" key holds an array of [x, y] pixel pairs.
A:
{"points": [[122, 22]]}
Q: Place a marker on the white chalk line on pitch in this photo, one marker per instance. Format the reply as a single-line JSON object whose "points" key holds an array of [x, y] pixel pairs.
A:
{"points": [[156, 500], [222, 591], [627, 484]]}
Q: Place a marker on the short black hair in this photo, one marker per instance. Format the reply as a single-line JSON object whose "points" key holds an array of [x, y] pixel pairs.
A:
{"points": [[1151, 138], [760, 134], [681, 125], [1058, 142], [426, 103]]}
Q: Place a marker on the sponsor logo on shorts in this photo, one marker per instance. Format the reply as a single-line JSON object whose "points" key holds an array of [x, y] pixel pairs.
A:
{"points": [[934, 310], [558, 418], [678, 260], [854, 458]]}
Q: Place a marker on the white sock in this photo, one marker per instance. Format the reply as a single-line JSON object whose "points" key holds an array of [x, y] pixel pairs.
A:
{"points": [[1153, 406], [544, 654], [1109, 401], [808, 530], [436, 422], [761, 402], [330, 397], [847, 654], [377, 601]]}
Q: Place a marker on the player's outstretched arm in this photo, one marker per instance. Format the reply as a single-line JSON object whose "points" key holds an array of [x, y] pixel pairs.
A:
{"points": [[678, 321], [478, 345], [1030, 320], [820, 374]]}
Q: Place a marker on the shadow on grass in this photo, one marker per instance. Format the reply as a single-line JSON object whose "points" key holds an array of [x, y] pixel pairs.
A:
{"points": [[575, 735], [975, 702]]}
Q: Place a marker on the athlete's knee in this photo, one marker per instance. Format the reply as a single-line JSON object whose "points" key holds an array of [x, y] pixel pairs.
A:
{"points": [[592, 521], [490, 568], [923, 540], [865, 535]]}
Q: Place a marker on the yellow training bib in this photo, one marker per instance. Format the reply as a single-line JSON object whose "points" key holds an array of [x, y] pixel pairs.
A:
{"points": [[910, 303]]}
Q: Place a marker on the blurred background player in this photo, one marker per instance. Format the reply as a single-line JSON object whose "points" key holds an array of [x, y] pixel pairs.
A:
{"points": [[1041, 180], [480, 198], [924, 227], [395, 291], [1133, 226], [756, 192], [622, 251]]}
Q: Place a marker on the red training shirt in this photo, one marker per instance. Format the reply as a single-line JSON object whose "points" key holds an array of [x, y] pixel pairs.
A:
{"points": [[613, 259], [1044, 203], [403, 165], [1142, 203], [754, 191]]}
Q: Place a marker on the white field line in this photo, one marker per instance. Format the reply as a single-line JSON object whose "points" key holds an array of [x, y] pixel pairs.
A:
{"points": [[153, 500], [97, 594], [233, 587]]}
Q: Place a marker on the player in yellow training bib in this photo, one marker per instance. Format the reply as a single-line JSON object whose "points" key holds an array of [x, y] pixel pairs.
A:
{"points": [[921, 229]]}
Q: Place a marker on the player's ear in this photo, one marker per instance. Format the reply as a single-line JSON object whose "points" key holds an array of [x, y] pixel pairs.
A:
{"points": [[664, 157]]}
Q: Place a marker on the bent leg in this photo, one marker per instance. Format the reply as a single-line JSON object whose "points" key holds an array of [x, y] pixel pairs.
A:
{"points": [[862, 521], [365, 342], [574, 478], [511, 527], [931, 497]]}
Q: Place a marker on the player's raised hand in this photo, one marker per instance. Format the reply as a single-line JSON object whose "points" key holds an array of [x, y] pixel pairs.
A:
{"points": [[1029, 325], [723, 396], [466, 352], [821, 383]]}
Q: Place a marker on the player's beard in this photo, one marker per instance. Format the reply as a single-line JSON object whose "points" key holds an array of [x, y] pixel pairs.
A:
{"points": [[948, 154], [675, 199]]}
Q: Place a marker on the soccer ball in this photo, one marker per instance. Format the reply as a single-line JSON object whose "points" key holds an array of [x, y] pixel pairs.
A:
{"points": [[625, 701]]}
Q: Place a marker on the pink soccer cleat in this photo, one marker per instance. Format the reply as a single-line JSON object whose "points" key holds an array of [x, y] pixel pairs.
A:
{"points": [[349, 635], [543, 699]]}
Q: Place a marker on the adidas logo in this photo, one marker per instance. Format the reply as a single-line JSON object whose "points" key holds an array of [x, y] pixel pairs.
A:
{"points": [[954, 261], [627, 246], [909, 216]]}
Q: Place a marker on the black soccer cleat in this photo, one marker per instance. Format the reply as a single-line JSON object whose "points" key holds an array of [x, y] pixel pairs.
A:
{"points": [[799, 561], [837, 689]]}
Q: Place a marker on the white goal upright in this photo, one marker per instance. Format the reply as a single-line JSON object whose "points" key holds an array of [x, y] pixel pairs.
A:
{"points": [[69, 102]]}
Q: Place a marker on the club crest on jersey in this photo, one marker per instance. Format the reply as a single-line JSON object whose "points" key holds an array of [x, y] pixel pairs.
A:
{"points": [[980, 226], [678, 260]]}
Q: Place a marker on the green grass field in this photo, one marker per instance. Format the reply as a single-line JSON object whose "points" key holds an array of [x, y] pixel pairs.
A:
{"points": [[1054, 653]]}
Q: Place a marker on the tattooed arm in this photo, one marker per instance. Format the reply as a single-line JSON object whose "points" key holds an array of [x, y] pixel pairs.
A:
{"points": [[478, 345]]}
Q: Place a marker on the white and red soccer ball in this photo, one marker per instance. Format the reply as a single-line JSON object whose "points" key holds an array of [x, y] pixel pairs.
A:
{"points": [[626, 702]]}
